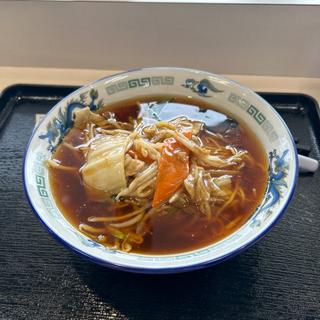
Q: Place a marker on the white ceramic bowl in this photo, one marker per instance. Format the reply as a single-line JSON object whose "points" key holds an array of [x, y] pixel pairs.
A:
{"points": [[226, 95]]}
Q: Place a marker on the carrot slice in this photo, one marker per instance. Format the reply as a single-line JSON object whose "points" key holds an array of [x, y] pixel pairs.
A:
{"points": [[173, 169]]}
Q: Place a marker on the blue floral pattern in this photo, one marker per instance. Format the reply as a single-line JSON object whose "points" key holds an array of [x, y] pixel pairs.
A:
{"points": [[278, 171], [59, 126], [201, 87]]}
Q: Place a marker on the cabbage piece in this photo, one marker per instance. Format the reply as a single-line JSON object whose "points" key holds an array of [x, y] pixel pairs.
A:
{"points": [[84, 116], [103, 173]]}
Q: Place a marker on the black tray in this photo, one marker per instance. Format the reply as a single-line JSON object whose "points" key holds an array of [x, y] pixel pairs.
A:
{"points": [[278, 278]]}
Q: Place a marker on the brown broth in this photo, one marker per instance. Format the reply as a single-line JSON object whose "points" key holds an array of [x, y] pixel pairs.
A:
{"points": [[176, 232]]}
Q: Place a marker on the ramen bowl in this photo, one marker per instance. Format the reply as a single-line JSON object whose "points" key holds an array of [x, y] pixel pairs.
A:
{"points": [[227, 96]]}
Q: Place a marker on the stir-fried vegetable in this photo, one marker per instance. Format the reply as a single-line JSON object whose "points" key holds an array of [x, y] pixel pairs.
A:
{"points": [[151, 170]]}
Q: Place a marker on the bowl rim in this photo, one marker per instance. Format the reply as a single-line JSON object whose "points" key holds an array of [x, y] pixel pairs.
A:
{"points": [[173, 269]]}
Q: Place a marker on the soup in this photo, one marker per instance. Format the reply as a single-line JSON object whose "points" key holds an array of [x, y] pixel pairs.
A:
{"points": [[158, 177]]}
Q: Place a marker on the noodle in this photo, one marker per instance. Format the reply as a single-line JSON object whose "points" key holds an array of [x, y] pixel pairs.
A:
{"points": [[55, 164], [128, 223], [236, 189], [242, 195], [90, 229], [112, 219]]}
